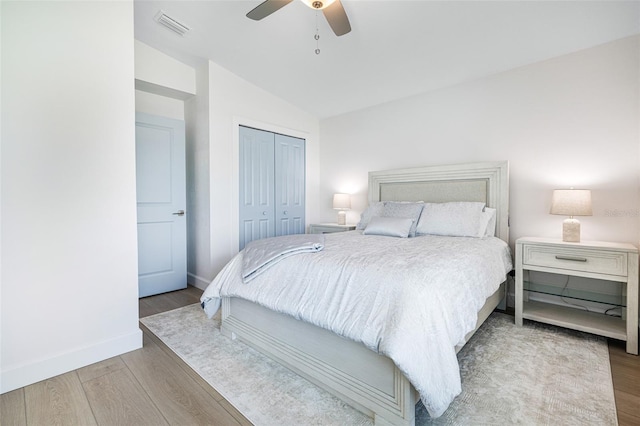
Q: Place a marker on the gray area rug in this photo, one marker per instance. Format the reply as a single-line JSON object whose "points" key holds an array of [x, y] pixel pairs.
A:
{"points": [[531, 375]]}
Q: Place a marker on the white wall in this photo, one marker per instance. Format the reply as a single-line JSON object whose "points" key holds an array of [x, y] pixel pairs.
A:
{"points": [[232, 102], [161, 74], [163, 82], [568, 121], [163, 106], [198, 182], [69, 255]]}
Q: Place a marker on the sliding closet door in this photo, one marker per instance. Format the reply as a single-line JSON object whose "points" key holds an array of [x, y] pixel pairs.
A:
{"points": [[272, 185], [257, 213], [290, 183]]}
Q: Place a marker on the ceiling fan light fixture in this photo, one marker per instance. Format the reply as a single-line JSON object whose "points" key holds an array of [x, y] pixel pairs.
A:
{"points": [[332, 10], [318, 4]]}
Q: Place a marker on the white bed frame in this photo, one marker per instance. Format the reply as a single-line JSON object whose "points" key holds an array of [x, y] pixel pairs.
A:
{"points": [[362, 378]]}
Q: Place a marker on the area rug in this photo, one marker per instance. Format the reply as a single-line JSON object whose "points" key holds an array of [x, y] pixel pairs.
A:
{"points": [[531, 375]]}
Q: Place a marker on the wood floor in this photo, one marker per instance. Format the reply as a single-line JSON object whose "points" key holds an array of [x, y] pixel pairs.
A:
{"points": [[625, 371], [152, 386], [149, 386]]}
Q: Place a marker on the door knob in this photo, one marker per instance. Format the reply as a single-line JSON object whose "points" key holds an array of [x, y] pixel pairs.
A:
{"points": [[179, 213], [284, 212], [264, 213]]}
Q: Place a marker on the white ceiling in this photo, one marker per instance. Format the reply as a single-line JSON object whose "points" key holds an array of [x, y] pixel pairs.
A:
{"points": [[395, 49]]}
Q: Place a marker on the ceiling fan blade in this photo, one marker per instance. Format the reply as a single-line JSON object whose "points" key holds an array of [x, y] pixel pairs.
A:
{"points": [[337, 18], [266, 8]]}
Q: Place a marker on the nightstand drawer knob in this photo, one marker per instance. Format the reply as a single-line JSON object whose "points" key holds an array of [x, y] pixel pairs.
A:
{"points": [[572, 258]]}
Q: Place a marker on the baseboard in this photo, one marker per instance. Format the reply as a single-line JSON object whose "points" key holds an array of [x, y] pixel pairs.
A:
{"points": [[27, 374], [197, 281]]}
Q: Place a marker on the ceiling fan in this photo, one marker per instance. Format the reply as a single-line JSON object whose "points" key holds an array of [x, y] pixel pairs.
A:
{"points": [[332, 10]]}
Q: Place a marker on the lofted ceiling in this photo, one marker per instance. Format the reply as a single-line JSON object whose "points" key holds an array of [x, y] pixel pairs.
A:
{"points": [[396, 48]]}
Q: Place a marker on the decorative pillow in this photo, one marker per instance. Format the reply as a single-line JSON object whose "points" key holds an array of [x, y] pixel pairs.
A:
{"points": [[489, 215], [456, 219], [374, 209], [406, 210], [389, 226]]}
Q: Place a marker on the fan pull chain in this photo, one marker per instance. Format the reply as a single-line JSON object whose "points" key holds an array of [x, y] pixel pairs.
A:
{"points": [[317, 36]]}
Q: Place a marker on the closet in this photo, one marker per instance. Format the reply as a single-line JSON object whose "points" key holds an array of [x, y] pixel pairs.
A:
{"points": [[272, 185]]}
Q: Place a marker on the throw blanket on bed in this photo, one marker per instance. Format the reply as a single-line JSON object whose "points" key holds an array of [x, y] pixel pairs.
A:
{"points": [[411, 299], [259, 255]]}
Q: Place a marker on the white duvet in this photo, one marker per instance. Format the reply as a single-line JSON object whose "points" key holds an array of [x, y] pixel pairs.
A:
{"points": [[411, 299]]}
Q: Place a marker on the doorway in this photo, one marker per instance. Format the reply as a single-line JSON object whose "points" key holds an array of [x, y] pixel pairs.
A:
{"points": [[161, 201]]}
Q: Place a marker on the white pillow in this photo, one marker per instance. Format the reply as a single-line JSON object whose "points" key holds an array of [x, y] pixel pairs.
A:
{"points": [[374, 209], [489, 216], [456, 219], [389, 226], [404, 209]]}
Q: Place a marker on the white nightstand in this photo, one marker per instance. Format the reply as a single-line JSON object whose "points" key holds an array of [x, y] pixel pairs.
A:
{"points": [[591, 259], [327, 228]]}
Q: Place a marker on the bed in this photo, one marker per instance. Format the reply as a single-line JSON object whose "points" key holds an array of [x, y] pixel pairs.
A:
{"points": [[359, 372]]}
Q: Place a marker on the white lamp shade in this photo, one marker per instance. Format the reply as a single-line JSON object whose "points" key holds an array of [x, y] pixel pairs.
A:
{"points": [[341, 201], [571, 202]]}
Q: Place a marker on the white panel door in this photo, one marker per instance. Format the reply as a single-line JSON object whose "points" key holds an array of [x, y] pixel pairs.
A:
{"points": [[257, 214], [161, 200], [272, 185], [289, 188]]}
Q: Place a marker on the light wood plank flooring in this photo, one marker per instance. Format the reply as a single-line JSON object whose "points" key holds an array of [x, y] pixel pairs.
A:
{"points": [[152, 386], [149, 386], [625, 371]]}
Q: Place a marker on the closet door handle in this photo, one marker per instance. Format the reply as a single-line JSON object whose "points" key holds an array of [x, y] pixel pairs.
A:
{"points": [[264, 213], [285, 212]]}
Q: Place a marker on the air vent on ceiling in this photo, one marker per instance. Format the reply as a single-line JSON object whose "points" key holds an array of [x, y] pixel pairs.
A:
{"points": [[171, 23]]}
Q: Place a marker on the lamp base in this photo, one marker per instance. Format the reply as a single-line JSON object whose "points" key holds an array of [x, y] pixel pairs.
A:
{"points": [[571, 230], [342, 218]]}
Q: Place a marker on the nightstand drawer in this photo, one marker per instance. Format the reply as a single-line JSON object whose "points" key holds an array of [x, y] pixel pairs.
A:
{"points": [[575, 259]]}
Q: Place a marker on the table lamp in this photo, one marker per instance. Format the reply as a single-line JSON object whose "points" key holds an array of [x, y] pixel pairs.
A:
{"points": [[571, 202], [342, 203]]}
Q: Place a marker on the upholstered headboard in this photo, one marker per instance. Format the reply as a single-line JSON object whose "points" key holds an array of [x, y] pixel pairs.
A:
{"points": [[487, 182]]}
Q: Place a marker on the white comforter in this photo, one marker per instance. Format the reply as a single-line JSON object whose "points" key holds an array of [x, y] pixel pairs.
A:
{"points": [[411, 299], [260, 255]]}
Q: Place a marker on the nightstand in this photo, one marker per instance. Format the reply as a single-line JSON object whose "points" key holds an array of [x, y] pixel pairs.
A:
{"points": [[610, 262], [327, 228]]}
